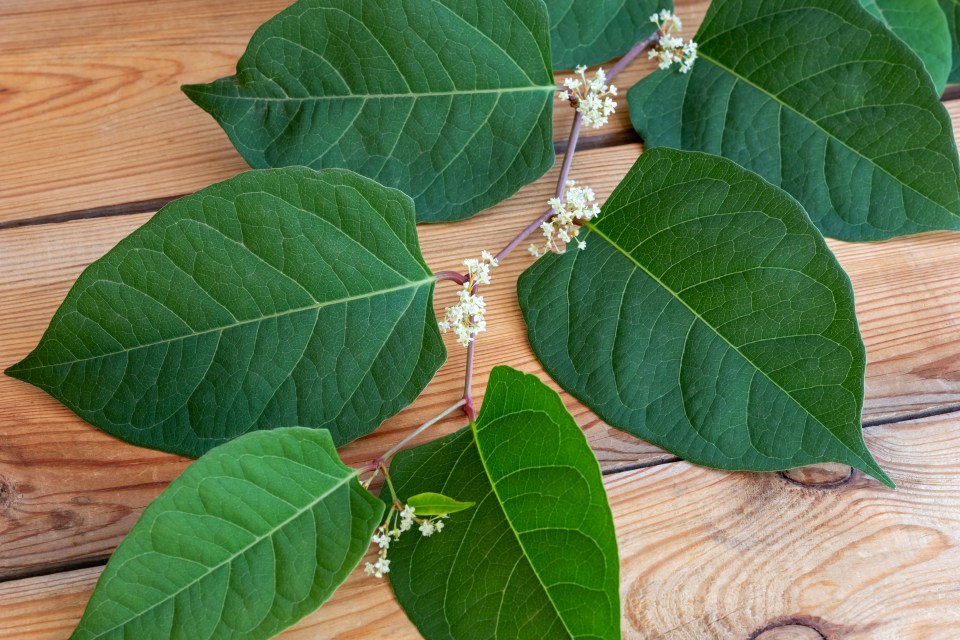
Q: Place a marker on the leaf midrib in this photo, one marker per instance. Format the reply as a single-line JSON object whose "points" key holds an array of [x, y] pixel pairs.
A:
{"points": [[592, 227], [375, 96], [830, 135], [289, 312], [516, 534], [344, 480]]}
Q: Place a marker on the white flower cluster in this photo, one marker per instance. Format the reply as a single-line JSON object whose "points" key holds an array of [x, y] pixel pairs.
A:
{"points": [[466, 318], [671, 49], [579, 205], [398, 521], [590, 97]]}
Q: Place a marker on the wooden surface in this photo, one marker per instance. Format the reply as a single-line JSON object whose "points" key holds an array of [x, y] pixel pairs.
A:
{"points": [[96, 136]]}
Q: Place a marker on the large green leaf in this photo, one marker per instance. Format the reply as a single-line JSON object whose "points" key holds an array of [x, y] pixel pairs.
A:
{"points": [[821, 99], [450, 101], [277, 298], [593, 31], [952, 10], [708, 316], [537, 556], [251, 538], [923, 27]]}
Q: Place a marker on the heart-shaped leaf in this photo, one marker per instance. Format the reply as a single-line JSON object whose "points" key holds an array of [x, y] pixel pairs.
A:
{"points": [[450, 101], [537, 556], [821, 99], [952, 10], [592, 31], [708, 316], [923, 27], [277, 298], [251, 538]]}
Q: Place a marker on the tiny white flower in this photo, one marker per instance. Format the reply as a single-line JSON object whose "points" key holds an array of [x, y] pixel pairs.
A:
{"points": [[671, 49], [579, 205], [466, 318], [427, 528], [439, 523], [591, 97]]}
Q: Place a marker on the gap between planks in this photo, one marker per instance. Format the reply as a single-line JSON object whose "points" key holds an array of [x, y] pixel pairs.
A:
{"points": [[855, 560]]}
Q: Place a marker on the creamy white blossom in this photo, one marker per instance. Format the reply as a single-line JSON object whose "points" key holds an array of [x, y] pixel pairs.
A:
{"points": [[578, 205], [401, 518], [591, 97], [671, 49], [467, 318]]}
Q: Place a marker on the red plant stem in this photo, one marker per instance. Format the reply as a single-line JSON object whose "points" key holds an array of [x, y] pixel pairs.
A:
{"points": [[467, 401], [631, 55]]}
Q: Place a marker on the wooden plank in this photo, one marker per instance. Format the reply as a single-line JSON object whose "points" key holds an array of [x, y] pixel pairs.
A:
{"points": [[706, 554], [91, 112], [73, 492]]}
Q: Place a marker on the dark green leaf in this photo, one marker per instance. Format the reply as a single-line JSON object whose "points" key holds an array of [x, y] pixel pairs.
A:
{"points": [[923, 27], [708, 316], [277, 298], [819, 98], [450, 101], [952, 10], [537, 556], [251, 538], [436, 504], [592, 31]]}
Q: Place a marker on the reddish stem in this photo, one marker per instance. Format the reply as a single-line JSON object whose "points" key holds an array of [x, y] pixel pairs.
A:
{"points": [[452, 276]]}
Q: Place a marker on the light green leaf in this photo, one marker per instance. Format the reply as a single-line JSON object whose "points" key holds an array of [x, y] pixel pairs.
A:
{"points": [[819, 98], [251, 538], [537, 556], [450, 101], [436, 504], [592, 31], [952, 10], [707, 316], [277, 298], [923, 27]]}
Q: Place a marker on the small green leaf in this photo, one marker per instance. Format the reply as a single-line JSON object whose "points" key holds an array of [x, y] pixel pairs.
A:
{"points": [[276, 298], [707, 316], [922, 25], [592, 31], [537, 556], [822, 100], [951, 9], [450, 101], [252, 537], [436, 504]]}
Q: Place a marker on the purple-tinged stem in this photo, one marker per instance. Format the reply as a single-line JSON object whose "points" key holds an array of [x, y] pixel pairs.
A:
{"points": [[631, 55], [451, 276], [561, 185]]}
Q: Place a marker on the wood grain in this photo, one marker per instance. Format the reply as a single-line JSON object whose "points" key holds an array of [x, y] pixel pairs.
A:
{"points": [[706, 554], [73, 492], [91, 113]]}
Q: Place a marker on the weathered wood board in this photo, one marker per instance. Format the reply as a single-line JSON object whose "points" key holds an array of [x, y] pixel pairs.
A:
{"points": [[706, 554]]}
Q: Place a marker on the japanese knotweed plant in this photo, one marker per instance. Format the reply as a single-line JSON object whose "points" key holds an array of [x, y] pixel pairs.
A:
{"points": [[266, 320]]}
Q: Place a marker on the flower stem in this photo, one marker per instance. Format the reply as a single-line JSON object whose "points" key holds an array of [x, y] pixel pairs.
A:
{"points": [[382, 460], [631, 55], [451, 276]]}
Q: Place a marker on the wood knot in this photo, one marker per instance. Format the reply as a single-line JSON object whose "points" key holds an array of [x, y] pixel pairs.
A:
{"points": [[821, 476], [789, 630]]}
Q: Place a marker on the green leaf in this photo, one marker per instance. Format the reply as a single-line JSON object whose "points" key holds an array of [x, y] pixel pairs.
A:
{"points": [[592, 31], [952, 10], [923, 27], [707, 316], [537, 556], [819, 98], [277, 298], [450, 101], [251, 538], [436, 504]]}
